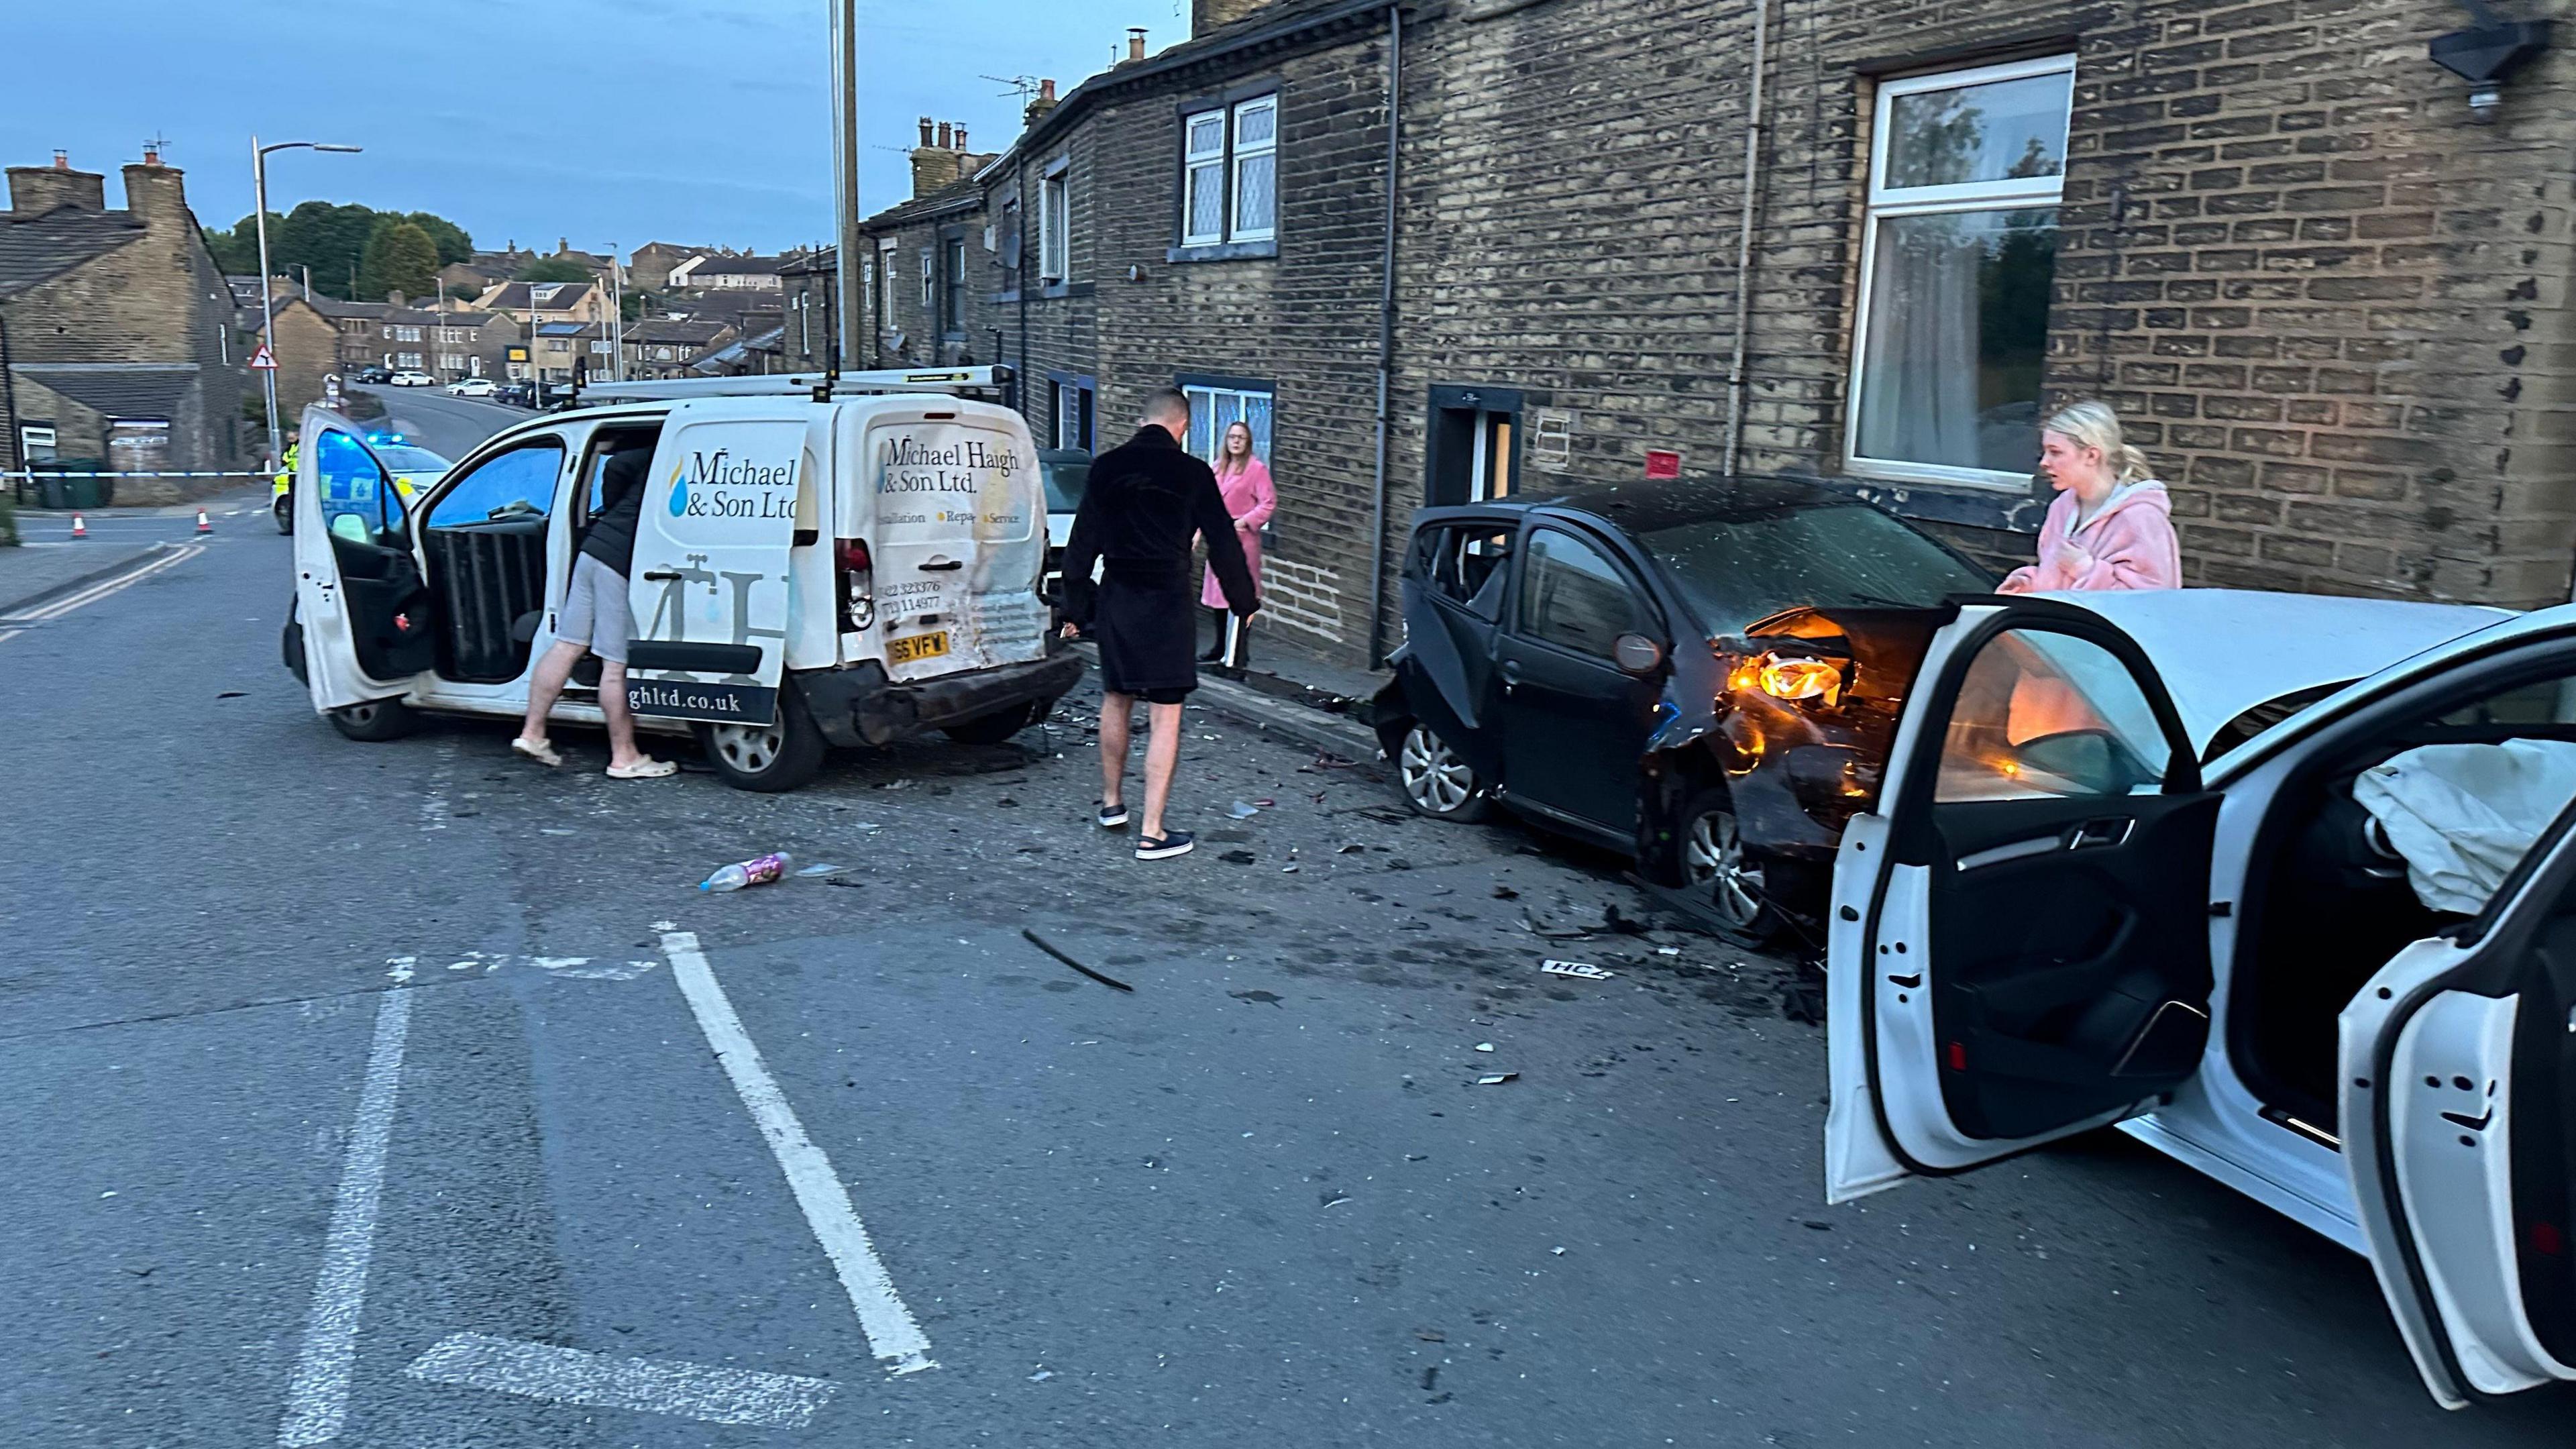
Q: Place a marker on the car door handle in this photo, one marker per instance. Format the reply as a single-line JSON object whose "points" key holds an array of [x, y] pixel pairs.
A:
{"points": [[2099, 834], [661, 576], [937, 567]]}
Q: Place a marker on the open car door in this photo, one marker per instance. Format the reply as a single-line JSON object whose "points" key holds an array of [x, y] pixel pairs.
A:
{"points": [[360, 603], [2020, 946], [709, 589], [2459, 1133]]}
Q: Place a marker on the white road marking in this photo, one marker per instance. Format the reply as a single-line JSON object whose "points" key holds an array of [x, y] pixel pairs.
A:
{"points": [[57, 608], [317, 1401], [892, 1333], [572, 1376]]}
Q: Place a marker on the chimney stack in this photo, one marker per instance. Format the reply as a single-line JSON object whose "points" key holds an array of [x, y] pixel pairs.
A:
{"points": [[961, 135], [1037, 110], [925, 133], [944, 144], [1207, 15], [36, 189], [1135, 43]]}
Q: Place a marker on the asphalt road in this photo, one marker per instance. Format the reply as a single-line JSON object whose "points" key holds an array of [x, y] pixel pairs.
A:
{"points": [[372, 1095], [449, 426]]}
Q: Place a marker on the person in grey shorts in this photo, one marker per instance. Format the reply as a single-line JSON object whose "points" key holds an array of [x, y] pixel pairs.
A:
{"points": [[595, 617]]}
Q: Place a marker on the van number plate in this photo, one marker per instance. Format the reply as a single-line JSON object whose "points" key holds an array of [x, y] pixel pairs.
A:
{"points": [[915, 647]]}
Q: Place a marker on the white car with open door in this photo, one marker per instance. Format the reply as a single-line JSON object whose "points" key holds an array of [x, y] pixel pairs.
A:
{"points": [[806, 573], [2055, 920]]}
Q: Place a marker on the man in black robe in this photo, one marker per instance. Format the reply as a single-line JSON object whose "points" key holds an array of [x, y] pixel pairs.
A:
{"points": [[1144, 502]]}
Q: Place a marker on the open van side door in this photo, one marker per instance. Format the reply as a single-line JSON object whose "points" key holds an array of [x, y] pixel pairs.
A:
{"points": [[360, 603], [2459, 1132], [709, 589], [2020, 946]]}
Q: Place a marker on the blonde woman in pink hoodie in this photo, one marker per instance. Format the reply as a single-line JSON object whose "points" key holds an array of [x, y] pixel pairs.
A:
{"points": [[2111, 526]]}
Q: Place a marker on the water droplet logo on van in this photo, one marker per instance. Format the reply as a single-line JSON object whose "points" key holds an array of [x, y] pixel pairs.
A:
{"points": [[680, 490]]}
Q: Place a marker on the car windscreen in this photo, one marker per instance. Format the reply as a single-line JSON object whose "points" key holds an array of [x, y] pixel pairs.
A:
{"points": [[1064, 484], [1737, 570], [411, 460]]}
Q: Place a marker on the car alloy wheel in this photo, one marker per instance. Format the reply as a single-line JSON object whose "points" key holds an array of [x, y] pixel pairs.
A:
{"points": [[1435, 779], [1713, 855], [750, 749]]}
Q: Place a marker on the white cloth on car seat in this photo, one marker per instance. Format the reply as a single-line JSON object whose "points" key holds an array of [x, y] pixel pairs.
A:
{"points": [[2464, 815]]}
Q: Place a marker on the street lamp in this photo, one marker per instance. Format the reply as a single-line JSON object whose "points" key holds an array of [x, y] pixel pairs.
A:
{"points": [[267, 310], [617, 314]]}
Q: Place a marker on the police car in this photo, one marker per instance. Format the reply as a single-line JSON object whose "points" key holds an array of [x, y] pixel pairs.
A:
{"points": [[818, 562]]}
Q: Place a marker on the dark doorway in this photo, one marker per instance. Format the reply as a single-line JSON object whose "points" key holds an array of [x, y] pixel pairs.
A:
{"points": [[1473, 445]]}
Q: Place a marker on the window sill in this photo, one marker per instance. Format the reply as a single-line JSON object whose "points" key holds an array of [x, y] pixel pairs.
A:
{"points": [[1225, 252], [1051, 292]]}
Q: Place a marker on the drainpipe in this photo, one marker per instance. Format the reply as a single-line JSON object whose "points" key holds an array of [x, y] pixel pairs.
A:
{"points": [[9, 404], [1020, 278], [1736, 381], [1386, 340]]}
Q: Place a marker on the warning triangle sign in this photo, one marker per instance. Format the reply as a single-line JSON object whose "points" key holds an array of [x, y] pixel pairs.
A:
{"points": [[261, 361]]}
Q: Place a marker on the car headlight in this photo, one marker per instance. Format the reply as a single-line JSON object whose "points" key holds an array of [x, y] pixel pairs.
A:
{"points": [[1792, 678]]}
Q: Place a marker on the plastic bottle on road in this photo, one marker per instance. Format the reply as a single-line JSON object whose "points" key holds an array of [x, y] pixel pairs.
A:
{"points": [[749, 873]]}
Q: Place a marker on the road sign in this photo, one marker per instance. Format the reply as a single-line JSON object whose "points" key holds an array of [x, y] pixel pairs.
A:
{"points": [[262, 360]]}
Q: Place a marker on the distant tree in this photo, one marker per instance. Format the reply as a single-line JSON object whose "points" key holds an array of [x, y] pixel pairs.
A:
{"points": [[399, 257], [553, 269], [453, 243], [329, 239], [463, 291], [237, 250]]}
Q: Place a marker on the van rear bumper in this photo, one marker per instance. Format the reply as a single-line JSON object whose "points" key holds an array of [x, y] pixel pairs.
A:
{"points": [[861, 706]]}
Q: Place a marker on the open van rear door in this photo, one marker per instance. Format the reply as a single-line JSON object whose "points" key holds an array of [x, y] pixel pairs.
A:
{"points": [[2459, 1133], [2020, 945], [360, 605], [709, 588]]}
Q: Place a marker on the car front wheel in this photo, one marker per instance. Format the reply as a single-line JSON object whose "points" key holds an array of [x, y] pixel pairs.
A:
{"points": [[770, 758], [377, 719], [284, 511], [1709, 855], [1434, 781]]}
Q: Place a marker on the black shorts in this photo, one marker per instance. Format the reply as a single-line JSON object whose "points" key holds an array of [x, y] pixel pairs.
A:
{"points": [[1159, 696]]}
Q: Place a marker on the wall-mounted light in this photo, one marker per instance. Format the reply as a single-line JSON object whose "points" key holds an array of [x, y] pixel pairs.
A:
{"points": [[2487, 53]]}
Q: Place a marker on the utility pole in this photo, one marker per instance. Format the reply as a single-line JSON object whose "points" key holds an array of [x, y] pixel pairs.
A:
{"points": [[617, 314], [845, 179], [267, 306]]}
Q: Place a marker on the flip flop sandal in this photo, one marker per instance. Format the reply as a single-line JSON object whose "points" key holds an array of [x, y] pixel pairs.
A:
{"points": [[649, 770], [543, 753]]}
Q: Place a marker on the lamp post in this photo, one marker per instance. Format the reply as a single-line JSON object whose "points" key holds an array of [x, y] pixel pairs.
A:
{"points": [[617, 315], [267, 308]]}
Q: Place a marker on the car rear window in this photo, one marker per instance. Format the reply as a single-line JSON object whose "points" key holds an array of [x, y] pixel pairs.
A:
{"points": [[1065, 480], [1737, 570]]}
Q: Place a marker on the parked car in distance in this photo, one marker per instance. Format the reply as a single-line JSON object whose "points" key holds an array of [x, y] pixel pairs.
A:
{"points": [[378, 375], [1584, 662], [409, 378], [473, 387], [1066, 472]]}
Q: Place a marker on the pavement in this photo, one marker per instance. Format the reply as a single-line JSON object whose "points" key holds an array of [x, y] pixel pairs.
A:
{"points": [[406, 1094]]}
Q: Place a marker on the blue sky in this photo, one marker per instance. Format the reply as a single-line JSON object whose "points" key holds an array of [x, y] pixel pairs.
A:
{"points": [[626, 121]]}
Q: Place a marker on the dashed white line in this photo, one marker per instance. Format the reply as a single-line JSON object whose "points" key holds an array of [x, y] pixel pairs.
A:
{"points": [[317, 1401], [573, 1376], [892, 1334]]}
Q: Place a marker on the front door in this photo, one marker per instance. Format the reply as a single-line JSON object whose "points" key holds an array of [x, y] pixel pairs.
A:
{"points": [[710, 589], [2458, 1067], [1574, 724], [364, 611], [2020, 944]]}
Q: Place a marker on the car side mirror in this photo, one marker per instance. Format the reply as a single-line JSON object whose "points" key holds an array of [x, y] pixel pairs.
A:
{"points": [[1636, 654], [2090, 760]]}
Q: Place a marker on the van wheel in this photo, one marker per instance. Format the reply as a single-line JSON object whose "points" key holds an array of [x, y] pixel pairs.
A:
{"points": [[1707, 854], [1000, 725], [1434, 781], [768, 758], [377, 719], [284, 511]]}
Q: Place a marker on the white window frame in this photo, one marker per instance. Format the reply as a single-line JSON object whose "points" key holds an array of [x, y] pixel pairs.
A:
{"points": [[1194, 161], [1203, 397], [1055, 227], [885, 291], [1883, 202], [930, 284], [1237, 154]]}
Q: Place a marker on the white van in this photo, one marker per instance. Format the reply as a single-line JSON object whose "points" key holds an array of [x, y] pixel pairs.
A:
{"points": [[814, 566]]}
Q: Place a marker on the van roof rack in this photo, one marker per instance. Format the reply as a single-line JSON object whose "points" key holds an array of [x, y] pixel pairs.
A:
{"points": [[996, 380]]}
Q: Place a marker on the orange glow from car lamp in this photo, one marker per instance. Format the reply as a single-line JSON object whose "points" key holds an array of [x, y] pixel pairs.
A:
{"points": [[1801, 679]]}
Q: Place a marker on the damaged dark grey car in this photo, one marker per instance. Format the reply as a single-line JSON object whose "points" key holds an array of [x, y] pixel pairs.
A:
{"points": [[1646, 668]]}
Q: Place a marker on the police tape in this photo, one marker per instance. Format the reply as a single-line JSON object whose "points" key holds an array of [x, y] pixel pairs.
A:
{"points": [[50, 473]]}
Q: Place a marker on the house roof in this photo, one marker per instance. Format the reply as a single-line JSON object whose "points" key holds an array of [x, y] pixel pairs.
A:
{"points": [[665, 330], [339, 311], [1281, 23], [39, 248], [964, 194], [712, 265], [431, 317], [551, 296], [116, 389], [570, 329]]}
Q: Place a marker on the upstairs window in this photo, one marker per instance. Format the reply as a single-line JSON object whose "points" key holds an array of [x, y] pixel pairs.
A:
{"points": [[1230, 173], [1957, 261], [1055, 227]]}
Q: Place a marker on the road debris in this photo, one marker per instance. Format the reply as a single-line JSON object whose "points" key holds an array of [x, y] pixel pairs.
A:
{"points": [[1243, 810], [1265, 998], [760, 870], [1034, 939], [1041, 1376], [1496, 1079], [1506, 893], [820, 870], [1484, 1046], [1237, 857], [1430, 1335], [1583, 970], [1354, 848]]}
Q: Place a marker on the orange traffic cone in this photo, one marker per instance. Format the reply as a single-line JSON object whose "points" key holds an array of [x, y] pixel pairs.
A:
{"points": [[79, 528], [202, 525]]}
